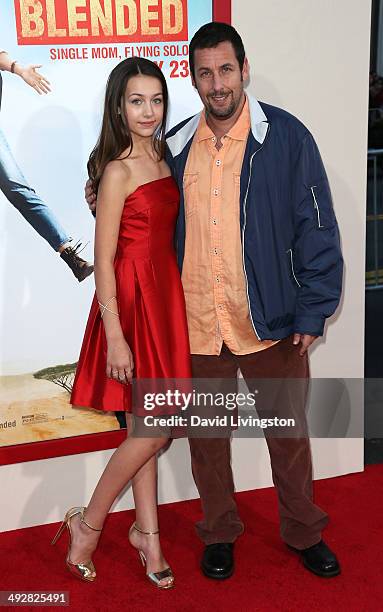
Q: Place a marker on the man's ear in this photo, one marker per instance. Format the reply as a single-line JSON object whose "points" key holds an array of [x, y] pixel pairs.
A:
{"points": [[246, 69]]}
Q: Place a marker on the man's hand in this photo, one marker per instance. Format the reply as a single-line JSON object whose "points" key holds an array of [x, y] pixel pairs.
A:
{"points": [[306, 340], [90, 196]]}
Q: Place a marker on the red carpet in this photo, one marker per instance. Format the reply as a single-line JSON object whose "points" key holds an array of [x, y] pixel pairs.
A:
{"points": [[268, 576]]}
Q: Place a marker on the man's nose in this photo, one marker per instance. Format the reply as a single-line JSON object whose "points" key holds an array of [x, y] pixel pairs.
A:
{"points": [[217, 82]]}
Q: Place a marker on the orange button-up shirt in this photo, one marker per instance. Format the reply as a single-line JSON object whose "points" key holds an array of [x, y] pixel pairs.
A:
{"points": [[213, 277]]}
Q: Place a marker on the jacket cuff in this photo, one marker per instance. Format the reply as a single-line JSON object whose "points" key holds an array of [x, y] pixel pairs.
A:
{"points": [[309, 324]]}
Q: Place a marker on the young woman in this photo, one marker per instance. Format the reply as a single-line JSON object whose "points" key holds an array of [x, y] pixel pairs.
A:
{"points": [[137, 322]]}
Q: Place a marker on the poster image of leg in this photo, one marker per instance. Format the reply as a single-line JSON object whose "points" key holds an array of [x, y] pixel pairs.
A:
{"points": [[17, 191], [64, 54]]}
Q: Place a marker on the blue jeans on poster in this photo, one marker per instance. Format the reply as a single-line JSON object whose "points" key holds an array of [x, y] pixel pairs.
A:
{"points": [[16, 189]]}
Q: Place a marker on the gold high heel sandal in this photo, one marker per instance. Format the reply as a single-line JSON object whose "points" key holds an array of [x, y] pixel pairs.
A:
{"points": [[155, 577], [83, 571]]}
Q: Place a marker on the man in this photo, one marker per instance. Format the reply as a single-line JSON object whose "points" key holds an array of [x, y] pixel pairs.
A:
{"points": [[258, 247], [18, 192]]}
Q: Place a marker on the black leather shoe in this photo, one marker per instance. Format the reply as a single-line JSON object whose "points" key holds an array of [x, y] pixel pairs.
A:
{"points": [[320, 560], [218, 561]]}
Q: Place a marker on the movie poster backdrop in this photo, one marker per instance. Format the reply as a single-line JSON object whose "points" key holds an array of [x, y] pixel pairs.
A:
{"points": [[45, 141]]}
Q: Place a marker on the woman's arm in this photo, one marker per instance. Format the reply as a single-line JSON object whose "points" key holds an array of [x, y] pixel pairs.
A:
{"points": [[27, 73], [111, 197]]}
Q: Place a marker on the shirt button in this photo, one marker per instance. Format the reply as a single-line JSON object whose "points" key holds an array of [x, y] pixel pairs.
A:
{"points": [[215, 251], [216, 192], [213, 139], [218, 162], [217, 279], [220, 306], [214, 221]]}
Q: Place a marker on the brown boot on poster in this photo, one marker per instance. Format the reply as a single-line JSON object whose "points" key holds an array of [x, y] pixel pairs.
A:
{"points": [[80, 268]]}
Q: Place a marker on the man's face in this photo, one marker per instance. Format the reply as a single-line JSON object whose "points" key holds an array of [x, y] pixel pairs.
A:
{"points": [[219, 80]]}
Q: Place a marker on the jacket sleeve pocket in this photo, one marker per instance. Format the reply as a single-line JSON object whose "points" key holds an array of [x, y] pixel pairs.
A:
{"points": [[322, 204]]}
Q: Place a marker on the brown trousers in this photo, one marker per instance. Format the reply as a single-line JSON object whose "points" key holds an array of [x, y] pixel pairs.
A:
{"points": [[301, 521]]}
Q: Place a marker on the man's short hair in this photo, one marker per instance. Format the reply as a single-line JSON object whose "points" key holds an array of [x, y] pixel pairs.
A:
{"points": [[211, 35]]}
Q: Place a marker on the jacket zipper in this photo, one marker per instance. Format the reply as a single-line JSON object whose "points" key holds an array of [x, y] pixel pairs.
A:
{"points": [[316, 206], [243, 235], [292, 267]]}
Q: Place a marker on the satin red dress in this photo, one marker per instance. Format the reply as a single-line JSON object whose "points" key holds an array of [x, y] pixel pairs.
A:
{"points": [[151, 303]]}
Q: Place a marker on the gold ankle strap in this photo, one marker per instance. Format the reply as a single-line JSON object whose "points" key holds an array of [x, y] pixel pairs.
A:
{"points": [[87, 524], [145, 532]]}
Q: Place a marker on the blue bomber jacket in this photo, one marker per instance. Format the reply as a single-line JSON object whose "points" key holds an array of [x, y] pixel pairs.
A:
{"points": [[291, 252]]}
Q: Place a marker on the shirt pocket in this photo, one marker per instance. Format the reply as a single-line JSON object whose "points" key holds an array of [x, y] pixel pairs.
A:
{"points": [[190, 187], [237, 189]]}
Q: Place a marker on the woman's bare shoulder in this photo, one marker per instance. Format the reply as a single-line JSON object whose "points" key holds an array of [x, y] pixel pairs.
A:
{"points": [[117, 170], [116, 177]]}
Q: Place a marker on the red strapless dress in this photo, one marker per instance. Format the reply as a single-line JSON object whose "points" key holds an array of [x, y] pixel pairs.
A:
{"points": [[151, 303]]}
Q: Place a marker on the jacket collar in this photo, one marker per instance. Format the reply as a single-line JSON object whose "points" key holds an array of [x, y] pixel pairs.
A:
{"points": [[259, 121], [259, 126]]}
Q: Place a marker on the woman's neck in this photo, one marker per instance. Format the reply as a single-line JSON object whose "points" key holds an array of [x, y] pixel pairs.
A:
{"points": [[143, 146]]}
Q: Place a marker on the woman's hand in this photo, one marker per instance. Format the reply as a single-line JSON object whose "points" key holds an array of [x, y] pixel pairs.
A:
{"points": [[33, 78], [119, 361]]}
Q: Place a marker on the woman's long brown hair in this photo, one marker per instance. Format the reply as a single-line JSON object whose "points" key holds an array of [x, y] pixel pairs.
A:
{"points": [[115, 136]]}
